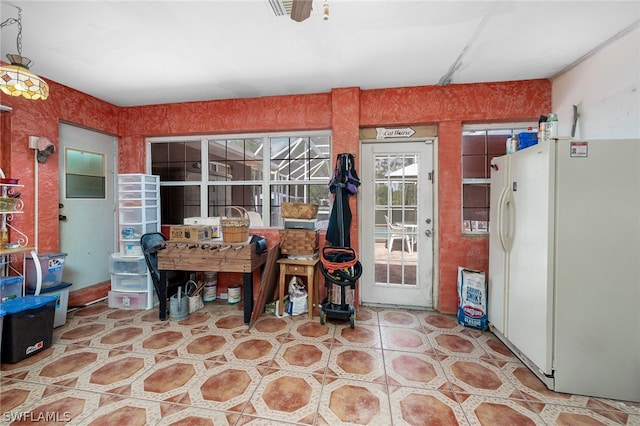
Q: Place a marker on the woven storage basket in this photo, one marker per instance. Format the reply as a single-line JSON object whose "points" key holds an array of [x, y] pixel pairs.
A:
{"points": [[235, 229], [298, 241], [299, 210]]}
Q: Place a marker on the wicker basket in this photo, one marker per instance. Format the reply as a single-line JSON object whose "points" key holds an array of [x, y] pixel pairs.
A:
{"points": [[235, 229], [299, 210], [298, 241]]}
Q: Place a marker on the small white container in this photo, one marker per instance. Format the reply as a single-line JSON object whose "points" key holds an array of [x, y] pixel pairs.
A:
{"points": [[209, 292], [234, 294]]}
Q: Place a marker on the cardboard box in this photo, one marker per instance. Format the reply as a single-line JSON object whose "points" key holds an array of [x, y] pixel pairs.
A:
{"points": [[213, 222], [189, 233]]}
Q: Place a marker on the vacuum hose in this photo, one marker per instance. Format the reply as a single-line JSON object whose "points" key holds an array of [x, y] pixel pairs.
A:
{"points": [[340, 265]]}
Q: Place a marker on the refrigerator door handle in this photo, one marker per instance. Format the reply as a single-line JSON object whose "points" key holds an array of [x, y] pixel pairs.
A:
{"points": [[510, 209], [504, 202]]}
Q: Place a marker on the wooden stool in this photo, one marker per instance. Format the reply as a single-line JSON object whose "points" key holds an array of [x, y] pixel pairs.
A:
{"points": [[298, 267]]}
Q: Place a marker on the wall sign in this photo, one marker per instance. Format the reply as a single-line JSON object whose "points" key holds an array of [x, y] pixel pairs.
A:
{"points": [[384, 133]]}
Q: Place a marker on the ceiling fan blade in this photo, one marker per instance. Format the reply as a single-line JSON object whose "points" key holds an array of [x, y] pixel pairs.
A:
{"points": [[301, 10]]}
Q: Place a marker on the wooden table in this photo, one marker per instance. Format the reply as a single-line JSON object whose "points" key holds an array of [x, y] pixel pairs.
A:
{"points": [[307, 268], [213, 256]]}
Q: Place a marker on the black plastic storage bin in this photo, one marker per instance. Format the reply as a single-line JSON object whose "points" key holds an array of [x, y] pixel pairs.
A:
{"points": [[28, 326]]}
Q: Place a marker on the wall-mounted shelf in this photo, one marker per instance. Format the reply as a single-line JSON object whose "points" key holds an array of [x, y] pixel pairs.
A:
{"points": [[9, 255]]}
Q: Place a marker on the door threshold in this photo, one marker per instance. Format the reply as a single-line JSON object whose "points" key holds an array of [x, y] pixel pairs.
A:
{"points": [[390, 306]]}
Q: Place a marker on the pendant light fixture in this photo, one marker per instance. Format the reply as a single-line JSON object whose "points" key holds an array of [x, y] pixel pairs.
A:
{"points": [[16, 79]]}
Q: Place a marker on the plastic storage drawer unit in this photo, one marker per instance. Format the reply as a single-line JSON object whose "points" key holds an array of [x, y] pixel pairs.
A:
{"points": [[126, 282], [28, 326], [10, 288], [122, 300], [128, 265]]}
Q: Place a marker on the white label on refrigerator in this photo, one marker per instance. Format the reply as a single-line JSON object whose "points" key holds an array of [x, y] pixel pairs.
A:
{"points": [[579, 149]]}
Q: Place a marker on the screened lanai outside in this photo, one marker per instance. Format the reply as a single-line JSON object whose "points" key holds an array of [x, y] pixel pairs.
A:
{"points": [[396, 178], [203, 176]]}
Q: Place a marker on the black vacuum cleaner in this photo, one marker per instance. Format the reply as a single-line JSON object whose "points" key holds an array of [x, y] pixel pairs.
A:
{"points": [[339, 262]]}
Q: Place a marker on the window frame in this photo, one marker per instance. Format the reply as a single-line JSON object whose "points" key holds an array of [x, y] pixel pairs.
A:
{"points": [[266, 183], [514, 128]]}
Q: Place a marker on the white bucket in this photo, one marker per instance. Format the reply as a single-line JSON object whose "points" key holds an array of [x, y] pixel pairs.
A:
{"points": [[234, 294]]}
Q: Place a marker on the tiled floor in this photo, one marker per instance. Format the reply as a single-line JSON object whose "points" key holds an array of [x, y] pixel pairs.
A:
{"points": [[120, 367]]}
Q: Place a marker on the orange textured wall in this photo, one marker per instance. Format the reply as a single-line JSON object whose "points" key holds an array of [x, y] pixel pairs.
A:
{"points": [[268, 114], [42, 118], [343, 110], [450, 107]]}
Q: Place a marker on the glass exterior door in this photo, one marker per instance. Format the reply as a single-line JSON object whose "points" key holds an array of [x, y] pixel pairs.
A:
{"points": [[397, 239]]}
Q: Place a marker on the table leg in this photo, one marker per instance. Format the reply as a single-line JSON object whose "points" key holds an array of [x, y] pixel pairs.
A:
{"points": [[163, 284], [316, 282], [310, 285], [247, 283], [281, 290]]}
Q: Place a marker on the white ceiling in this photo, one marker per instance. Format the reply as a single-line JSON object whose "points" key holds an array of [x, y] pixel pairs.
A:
{"points": [[152, 52]]}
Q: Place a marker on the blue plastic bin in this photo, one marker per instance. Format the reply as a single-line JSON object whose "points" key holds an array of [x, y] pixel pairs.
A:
{"points": [[28, 326], [10, 288], [527, 139]]}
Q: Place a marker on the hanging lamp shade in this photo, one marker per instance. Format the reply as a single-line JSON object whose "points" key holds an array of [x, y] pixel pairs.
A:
{"points": [[17, 80]]}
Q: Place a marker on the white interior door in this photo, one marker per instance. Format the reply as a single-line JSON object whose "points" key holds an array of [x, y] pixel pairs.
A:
{"points": [[398, 185], [87, 204]]}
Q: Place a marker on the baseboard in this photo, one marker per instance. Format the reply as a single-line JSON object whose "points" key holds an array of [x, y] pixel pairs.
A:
{"points": [[88, 295]]}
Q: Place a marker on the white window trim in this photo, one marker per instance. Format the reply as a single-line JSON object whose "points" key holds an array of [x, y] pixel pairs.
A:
{"points": [[265, 183]]}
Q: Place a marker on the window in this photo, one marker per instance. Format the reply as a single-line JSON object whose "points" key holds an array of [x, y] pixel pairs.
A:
{"points": [[84, 174], [203, 176], [479, 145]]}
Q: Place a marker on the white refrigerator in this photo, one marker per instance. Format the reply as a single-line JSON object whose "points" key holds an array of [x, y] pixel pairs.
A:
{"points": [[564, 263]]}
